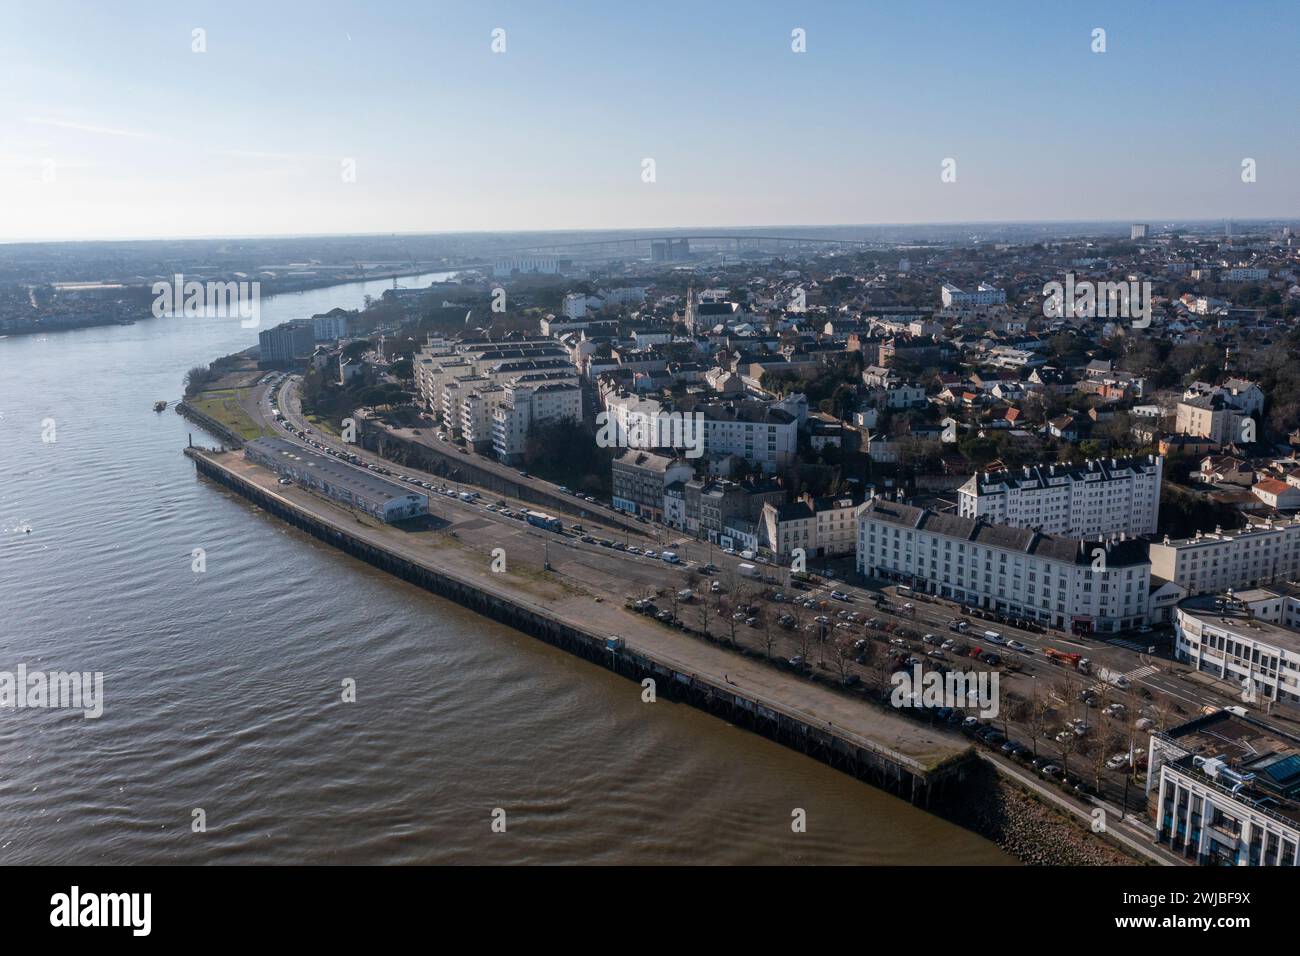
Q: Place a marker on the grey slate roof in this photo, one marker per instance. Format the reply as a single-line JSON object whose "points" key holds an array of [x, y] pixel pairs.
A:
{"points": [[1053, 547]]}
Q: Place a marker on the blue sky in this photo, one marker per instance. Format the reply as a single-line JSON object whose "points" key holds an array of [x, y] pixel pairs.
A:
{"points": [[111, 127]]}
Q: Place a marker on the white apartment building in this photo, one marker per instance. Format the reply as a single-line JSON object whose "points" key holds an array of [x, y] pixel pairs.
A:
{"points": [[1227, 637], [574, 306], [477, 410], [626, 295], [1222, 560], [443, 360], [1086, 586], [985, 295], [630, 417], [1099, 497], [1226, 786], [522, 405], [761, 434], [1245, 275], [330, 326]]}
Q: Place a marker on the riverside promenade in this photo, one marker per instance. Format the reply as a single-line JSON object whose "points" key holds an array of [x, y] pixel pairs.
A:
{"points": [[579, 609]]}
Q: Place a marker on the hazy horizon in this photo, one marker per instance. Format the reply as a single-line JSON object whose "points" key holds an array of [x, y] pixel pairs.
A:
{"points": [[1156, 223], [336, 118]]}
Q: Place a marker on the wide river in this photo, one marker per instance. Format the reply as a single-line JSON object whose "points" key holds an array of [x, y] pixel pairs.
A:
{"points": [[222, 689]]}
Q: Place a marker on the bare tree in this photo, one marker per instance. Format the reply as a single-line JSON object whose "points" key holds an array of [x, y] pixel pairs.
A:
{"points": [[729, 612], [705, 611], [1163, 708], [805, 639], [884, 671], [769, 618], [1067, 742], [1015, 709], [1067, 690], [843, 651], [1039, 717], [1106, 747]]}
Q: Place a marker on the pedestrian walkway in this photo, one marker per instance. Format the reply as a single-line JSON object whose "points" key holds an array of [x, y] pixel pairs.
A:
{"points": [[1138, 646], [1139, 672]]}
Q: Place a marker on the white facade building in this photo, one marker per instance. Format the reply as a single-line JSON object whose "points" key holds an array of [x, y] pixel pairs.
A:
{"points": [[1226, 788], [1230, 560], [985, 295], [1101, 496], [1062, 582], [766, 436], [574, 307], [524, 405], [1225, 637]]}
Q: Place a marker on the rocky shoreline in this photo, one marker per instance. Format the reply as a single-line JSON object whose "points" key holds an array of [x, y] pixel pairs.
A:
{"points": [[1027, 828]]}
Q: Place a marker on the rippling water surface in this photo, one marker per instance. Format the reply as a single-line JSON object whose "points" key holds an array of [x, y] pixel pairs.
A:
{"points": [[223, 688]]}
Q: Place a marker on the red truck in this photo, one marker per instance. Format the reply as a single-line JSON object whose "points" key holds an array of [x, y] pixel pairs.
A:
{"points": [[1076, 661]]}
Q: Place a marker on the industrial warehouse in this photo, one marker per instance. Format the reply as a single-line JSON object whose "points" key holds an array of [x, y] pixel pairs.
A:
{"points": [[353, 486]]}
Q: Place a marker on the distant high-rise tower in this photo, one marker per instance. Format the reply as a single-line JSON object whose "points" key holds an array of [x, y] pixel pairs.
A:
{"points": [[1138, 230]]}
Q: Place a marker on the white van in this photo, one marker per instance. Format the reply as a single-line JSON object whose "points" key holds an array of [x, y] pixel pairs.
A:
{"points": [[670, 557]]}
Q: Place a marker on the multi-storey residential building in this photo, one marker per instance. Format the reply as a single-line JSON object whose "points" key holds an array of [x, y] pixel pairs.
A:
{"points": [[918, 351], [443, 360], [1226, 790], [523, 405], [761, 434], [287, 342], [822, 527], [1226, 560], [1063, 582], [1209, 417], [709, 506], [477, 411], [574, 306], [330, 325], [790, 526], [639, 480], [1215, 412], [985, 295], [1102, 496], [1238, 638], [1245, 275]]}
